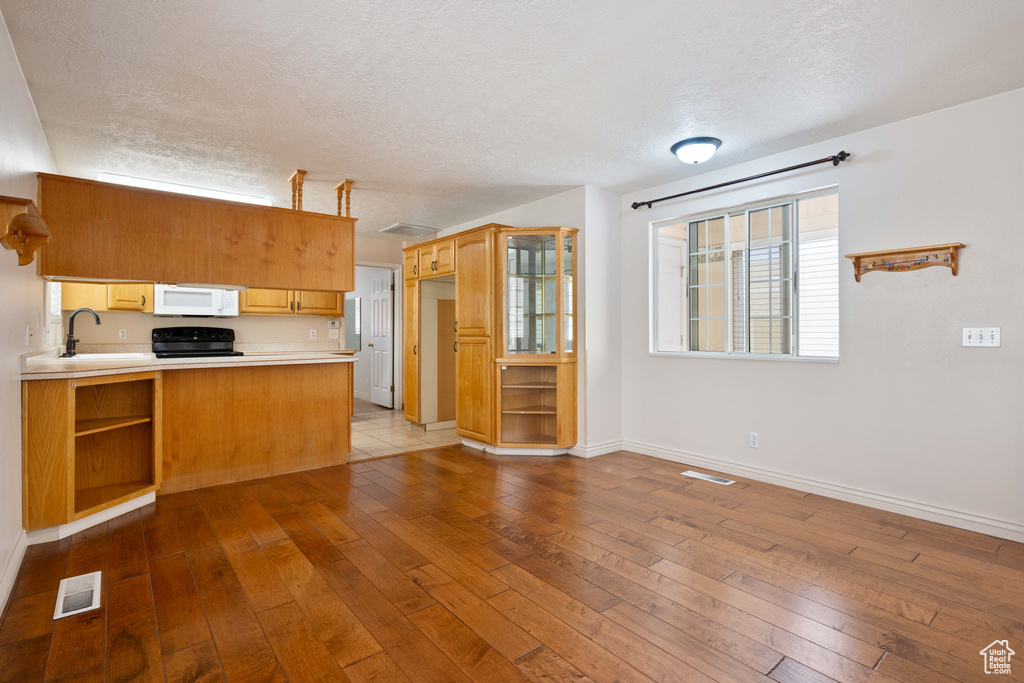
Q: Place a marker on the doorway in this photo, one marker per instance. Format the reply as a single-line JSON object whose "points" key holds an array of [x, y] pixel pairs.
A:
{"points": [[437, 357], [373, 375]]}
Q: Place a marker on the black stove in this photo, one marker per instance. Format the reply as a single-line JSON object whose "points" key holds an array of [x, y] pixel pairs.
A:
{"points": [[194, 342]]}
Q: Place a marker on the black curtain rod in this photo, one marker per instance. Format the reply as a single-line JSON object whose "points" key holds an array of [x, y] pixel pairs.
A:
{"points": [[835, 159]]}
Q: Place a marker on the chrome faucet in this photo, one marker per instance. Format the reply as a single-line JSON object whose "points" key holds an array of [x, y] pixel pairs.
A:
{"points": [[70, 351]]}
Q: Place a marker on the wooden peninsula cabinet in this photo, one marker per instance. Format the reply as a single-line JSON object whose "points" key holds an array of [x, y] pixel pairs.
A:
{"points": [[515, 328], [89, 444]]}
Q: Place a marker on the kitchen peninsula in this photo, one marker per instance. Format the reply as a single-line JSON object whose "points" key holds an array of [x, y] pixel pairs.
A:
{"points": [[103, 433], [100, 432]]}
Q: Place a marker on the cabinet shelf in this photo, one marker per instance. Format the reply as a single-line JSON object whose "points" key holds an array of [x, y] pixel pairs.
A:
{"points": [[90, 500], [531, 410], [105, 424], [531, 385]]}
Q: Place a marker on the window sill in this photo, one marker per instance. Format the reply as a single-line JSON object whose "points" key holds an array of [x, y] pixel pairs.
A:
{"points": [[736, 356]]}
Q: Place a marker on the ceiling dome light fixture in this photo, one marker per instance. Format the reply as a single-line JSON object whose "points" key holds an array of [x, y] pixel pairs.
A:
{"points": [[696, 150]]}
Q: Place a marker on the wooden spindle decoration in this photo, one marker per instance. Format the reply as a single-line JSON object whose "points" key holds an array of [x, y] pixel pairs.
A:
{"points": [[296, 181], [345, 189]]}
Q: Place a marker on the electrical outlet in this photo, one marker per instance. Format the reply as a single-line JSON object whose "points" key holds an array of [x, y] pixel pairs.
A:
{"points": [[981, 336], [333, 324], [755, 440], [334, 334], [312, 333], [122, 334]]}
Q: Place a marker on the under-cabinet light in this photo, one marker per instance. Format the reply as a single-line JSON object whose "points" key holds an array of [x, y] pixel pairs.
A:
{"points": [[180, 189]]}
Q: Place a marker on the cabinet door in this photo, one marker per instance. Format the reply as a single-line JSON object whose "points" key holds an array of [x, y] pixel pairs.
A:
{"points": [[474, 285], [411, 322], [266, 302], [427, 256], [126, 297], [74, 295], [411, 263], [320, 303], [473, 389], [444, 257]]}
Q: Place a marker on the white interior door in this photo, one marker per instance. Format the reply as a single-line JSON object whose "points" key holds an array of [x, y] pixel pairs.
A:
{"points": [[382, 339]]}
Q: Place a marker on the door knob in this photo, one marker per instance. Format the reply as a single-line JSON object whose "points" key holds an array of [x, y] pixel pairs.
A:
{"points": [[370, 344]]}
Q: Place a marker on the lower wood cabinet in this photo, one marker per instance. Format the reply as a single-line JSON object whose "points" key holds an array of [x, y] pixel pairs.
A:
{"points": [[411, 350], [291, 302], [89, 444], [224, 425], [536, 403], [473, 389]]}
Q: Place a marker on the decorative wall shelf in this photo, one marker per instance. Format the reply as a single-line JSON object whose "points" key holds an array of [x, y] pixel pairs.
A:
{"points": [[22, 229], [911, 258]]}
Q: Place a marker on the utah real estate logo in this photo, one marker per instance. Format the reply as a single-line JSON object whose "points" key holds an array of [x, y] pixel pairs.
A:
{"points": [[997, 657]]}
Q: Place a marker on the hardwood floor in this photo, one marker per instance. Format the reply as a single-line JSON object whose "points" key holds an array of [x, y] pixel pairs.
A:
{"points": [[450, 565]]}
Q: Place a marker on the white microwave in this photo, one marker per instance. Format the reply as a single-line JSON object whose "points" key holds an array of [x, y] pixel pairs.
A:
{"points": [[197, 301]]}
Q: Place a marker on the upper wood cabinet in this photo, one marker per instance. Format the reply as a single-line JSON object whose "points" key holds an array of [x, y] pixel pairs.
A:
{"points": [[320, 303], [256, 301], [474, 285], [131, 297], [266, 302], [411, 264], [112, 232], [107, 297], [430, 260]]}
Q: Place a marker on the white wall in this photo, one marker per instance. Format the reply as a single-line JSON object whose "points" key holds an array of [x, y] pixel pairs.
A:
{"points": [[376, 250], [23, 151], [908, 419]]}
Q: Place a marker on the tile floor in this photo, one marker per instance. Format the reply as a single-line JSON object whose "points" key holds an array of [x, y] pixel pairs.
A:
{"points": [[377, 431]]}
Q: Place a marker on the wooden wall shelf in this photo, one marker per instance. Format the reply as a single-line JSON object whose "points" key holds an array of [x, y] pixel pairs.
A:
{"points": [[21, 228], [911, 258]]}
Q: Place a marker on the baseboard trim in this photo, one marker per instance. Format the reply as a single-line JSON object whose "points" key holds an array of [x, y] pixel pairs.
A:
{"points": [[365, 397], [514, 451], [961, 519], [55, 533], [594, 450], [10, 574]]}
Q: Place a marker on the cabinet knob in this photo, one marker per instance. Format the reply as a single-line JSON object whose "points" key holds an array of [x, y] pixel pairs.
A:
{"points": [[456, 325], [456, 346], [415, 270], [414, 349]]}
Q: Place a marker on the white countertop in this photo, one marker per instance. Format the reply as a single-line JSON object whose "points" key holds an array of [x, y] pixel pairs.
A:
{"points": [[50, 366]]}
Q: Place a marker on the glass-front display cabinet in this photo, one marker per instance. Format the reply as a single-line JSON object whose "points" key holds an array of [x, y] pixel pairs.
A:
{"points": [[537, 362]]}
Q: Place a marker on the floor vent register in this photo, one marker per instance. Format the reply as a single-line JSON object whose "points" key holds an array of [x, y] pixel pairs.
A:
{"points": [[78, 594], [708, 477]]}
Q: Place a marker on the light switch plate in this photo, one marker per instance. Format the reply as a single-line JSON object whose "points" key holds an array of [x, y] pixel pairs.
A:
{"points": [[333, 324], [982, 336]]}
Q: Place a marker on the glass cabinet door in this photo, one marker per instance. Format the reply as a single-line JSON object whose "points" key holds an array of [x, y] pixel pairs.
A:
{"points": [[567, 281], [531, 291]]}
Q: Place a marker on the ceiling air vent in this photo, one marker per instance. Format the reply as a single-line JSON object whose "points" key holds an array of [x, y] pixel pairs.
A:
{"points": [[408, 230], [78, 594], [708, 477]]}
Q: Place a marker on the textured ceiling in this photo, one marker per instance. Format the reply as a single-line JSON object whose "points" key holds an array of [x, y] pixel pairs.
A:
{"points": [[446, 110]]}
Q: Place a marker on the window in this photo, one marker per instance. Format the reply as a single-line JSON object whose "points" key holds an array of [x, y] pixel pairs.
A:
{"points": [[759, 281]]}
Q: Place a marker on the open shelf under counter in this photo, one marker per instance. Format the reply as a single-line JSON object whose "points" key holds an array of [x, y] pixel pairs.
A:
{"points": [[91, 443], [531, 410], [103, 424], [97, 498]]}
